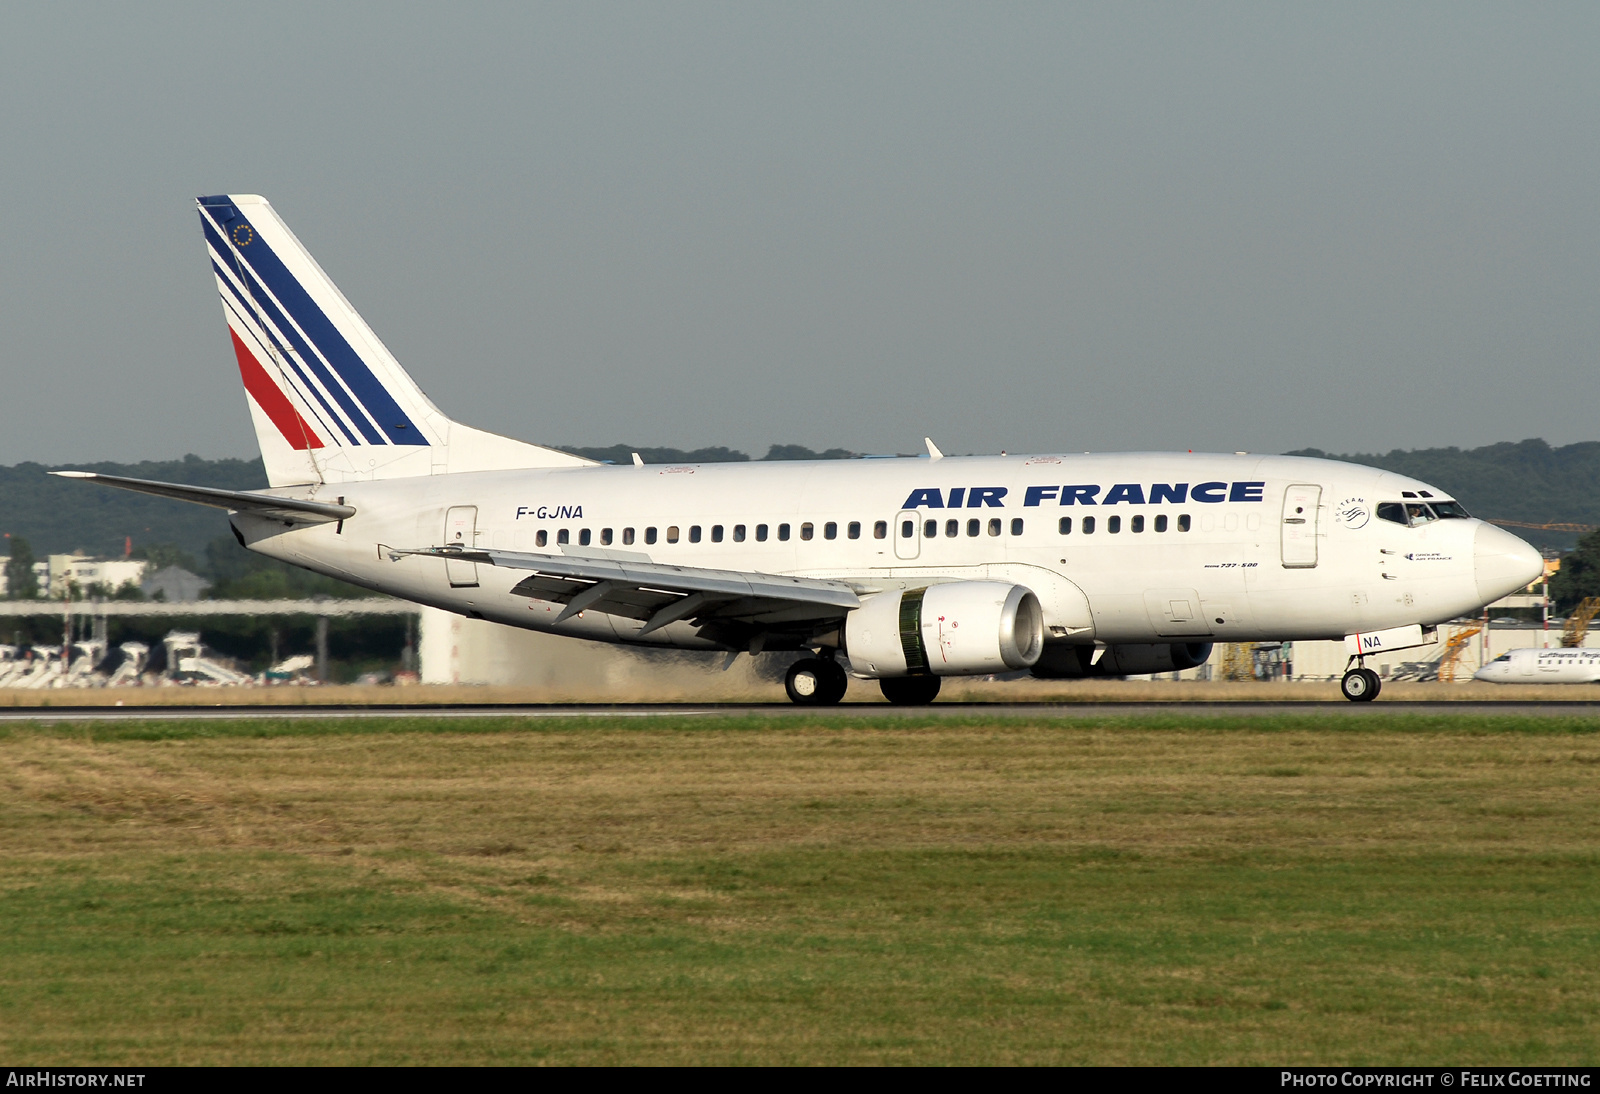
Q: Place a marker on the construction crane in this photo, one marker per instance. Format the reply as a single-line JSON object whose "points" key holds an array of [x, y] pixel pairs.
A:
{"points": [[1453, 649], [1578, 529], [1578, 622]]}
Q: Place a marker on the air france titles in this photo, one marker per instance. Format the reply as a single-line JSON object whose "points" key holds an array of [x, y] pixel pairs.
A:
{"points": [[1131, 493]]}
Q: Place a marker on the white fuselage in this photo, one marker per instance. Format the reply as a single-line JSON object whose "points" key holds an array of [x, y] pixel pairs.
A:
{"points": [[1537, 666], [1183, 547]]}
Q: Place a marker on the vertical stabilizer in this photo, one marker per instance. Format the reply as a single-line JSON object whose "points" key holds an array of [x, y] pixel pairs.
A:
{"points": [[329, 401]]}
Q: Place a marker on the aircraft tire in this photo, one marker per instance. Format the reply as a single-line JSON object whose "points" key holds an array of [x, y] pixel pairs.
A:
{"points": [[810, 683], [1361, 685], [837, 681], [910, 691]]}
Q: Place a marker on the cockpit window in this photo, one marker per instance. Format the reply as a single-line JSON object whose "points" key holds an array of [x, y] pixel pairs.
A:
{"points": [[1419, 513], [1392, 511], [1451, 510], [1502, 657]]}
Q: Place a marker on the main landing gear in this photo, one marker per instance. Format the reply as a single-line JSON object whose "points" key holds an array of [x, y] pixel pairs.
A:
{"points": [[910, 691], [816, 681], [1360, 685]]}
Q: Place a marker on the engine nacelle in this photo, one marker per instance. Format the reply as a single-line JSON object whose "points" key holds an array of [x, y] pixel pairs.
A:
{"points": [[960, 628], [1065, 662]]}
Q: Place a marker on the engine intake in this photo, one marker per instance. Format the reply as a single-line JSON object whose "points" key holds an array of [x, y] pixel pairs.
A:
{"points": [[1063, 662], [960, 628]]}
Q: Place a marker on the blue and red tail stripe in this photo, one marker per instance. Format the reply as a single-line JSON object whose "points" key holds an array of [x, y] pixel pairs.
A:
{"points": [[284, 304]]}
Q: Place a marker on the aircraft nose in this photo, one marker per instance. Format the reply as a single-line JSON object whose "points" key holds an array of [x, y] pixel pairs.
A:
{"points": [[1502, 562]]}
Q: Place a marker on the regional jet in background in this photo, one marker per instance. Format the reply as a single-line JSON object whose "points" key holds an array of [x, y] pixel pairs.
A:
{"points": [[902, 571], [1538, 666]]}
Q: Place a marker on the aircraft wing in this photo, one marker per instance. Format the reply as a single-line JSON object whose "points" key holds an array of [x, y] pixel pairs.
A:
{"points": [[735, 605], [288, 510]]}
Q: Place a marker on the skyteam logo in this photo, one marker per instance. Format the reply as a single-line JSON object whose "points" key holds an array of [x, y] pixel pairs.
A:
{"points": [[1352, 513], [1129, 493]]}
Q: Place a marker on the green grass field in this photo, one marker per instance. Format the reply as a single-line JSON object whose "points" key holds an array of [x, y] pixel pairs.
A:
{"points": [[1359, 889]]}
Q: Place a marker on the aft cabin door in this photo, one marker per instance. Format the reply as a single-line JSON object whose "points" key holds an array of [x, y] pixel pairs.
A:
{"points": [[461, 530], [1300, 507]]}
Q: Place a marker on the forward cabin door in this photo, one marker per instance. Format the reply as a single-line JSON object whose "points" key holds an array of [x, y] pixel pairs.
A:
{"points": [[461, 530], [1301, 504], [907, 534]]}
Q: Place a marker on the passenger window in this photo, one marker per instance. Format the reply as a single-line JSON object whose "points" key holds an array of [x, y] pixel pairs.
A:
{"points": [[930, 528], [649, 535], [994, 526], [541, 538], [562, 537], [694, 533], [672, 533], [908, 529], [974, 527], [761, 533], [806, 530], [1064, 526], [1183, 522], [854, 529], [716, 533], [738, 533], [1016, 526], [1161, 522], [1088, 526], [605, 537], [830, 530], [880, 529], [627, 537], [583, 537], [1136, 523], [783, 531], [1113, 525], [1392, 511], [952, 528]]}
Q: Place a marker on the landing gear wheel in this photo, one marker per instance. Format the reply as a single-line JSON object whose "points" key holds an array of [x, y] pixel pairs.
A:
{"points": [[910, 691], [815, 682], [1361, 685], [837, 680]]}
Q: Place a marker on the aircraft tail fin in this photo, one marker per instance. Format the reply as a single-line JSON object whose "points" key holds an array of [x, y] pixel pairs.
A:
{"points": [[329, 401]]}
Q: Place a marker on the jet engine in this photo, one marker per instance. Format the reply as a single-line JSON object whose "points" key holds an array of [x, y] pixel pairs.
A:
{"points": [[1066, 662], [960, 628]]}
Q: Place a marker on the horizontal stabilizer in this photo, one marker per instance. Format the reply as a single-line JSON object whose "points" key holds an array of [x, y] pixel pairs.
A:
{"points": [[291, 510]]}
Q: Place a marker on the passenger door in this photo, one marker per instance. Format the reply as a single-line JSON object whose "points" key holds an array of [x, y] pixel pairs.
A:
{"points": [[461, 530], [908, 534], [1301, 504]]}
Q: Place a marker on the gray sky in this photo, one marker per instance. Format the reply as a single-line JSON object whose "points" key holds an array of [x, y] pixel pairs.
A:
{"points": [[1058, 227]]}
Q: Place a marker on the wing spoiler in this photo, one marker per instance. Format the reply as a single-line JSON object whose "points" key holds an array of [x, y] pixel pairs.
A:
{"points": [[658, 593], [289, 510]]}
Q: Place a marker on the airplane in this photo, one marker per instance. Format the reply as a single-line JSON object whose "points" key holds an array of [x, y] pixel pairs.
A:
{"points": [[899, 570], [1538, 666]]}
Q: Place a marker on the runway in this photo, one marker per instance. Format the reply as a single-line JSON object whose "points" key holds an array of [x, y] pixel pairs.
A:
{"points": [[842, 712]]}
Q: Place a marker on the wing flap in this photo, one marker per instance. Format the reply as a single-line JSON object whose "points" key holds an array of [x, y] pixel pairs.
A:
{"points": [[652, 591]]}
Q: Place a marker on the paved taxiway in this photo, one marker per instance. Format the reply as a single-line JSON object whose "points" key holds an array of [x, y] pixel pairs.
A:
{"points": [[1550, 708]]}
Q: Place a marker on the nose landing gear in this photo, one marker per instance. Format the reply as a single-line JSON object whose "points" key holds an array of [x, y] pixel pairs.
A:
{"points": [[816, 681], [1360, 684]]}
